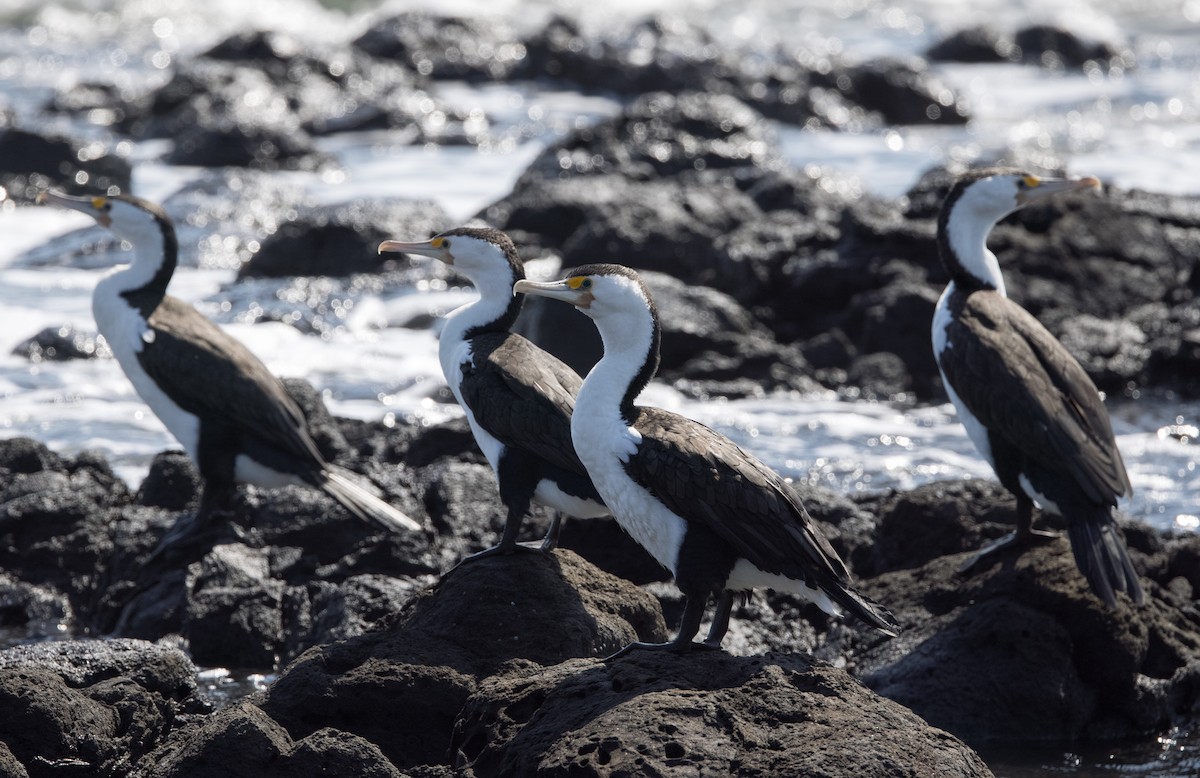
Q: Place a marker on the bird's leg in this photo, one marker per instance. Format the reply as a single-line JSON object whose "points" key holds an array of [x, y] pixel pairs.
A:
{"points": [[720, 622], [1018, 538], [689, 625], [1025, 531], [189, 529], [550, 542]]}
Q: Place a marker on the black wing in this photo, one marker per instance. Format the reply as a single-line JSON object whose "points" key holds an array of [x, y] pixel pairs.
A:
{"points": [[1024, 385], [704, 477], [523, 396], [211, 374]]}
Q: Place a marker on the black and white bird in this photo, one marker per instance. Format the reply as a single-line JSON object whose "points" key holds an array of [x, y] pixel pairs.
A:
{"points": [[721, 521], [231, 414], [1027, 404], [517, 398]]}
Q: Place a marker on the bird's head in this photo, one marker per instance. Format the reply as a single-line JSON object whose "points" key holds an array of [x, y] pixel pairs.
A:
{"points": [[991, 194], [130, 218], [476, 252], [600, 291]]}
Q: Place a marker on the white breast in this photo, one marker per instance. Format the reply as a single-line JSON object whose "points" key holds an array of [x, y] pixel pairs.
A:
{"points": [[603, 446], [127, 333], [943, 349]]}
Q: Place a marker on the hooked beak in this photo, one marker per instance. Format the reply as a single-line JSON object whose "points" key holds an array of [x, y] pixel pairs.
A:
{"points": [[1054, 186], [421, 248], [555, 290], [85, 205]]}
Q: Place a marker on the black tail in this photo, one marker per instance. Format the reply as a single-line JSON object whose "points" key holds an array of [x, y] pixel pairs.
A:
{"points": [[864, 609], [1101, 556]]}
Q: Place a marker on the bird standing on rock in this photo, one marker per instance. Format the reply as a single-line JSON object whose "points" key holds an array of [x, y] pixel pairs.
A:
{"points": [[517, 398], [1027, 404], [231, 414], [721, 521]]}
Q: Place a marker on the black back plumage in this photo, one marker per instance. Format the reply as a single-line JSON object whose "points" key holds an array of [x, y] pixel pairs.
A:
{"points": [[524, 396]]}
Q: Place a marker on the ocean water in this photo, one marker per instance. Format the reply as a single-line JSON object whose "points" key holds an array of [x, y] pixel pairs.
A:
{"points": [[1136, 129]]}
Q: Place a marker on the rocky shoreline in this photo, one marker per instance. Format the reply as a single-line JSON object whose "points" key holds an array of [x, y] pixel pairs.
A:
{"points": [[769, 279], [494, 668]]}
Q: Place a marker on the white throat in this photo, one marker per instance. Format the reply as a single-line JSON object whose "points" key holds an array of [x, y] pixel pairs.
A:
{"points": [[495, 293], [967, 232], [627, 340]]}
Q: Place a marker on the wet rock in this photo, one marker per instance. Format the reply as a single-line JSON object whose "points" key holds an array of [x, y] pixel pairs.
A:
{"points": [[341, 240], [1037, 657], [1058, 48], [901, 91], [975, 44], [30, 612], [26, 455], [97, 706], [58, 344], [31, 162], [402, 686], [1112, 352], [658, 53], [662, 134], [648, 714], [446, 47]]}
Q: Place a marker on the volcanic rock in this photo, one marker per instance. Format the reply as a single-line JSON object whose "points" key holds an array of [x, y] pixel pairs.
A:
{"points": [[31, 162]]}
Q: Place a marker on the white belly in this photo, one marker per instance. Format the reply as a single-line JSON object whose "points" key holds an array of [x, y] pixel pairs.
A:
{"points": [[941, 343]]}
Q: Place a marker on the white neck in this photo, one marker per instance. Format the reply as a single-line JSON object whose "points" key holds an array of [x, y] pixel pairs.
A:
{"points": [[627, 342], [147, 260], [495, 294], [967, 232]]}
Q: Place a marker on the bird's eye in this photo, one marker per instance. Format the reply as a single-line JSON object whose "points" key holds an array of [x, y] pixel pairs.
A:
{"points": [[579, 282], [1029, 182], [101, 204], [587, 284], [440, 243]]}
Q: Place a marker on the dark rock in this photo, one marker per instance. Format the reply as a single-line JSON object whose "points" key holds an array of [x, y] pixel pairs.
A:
{"points": [[97, 706], [58, 344], [26, 455], [402, 686], [243, 741], [902, 91], [658, 53], [710, 344], [32, 612], [650, 714], [31, 162], [975, 44], [1114, 353], [234, 615], [221, 142], [446, 47], [1037, 657], [662, 134], [1058, 48], [171, 483], [341, 240]]}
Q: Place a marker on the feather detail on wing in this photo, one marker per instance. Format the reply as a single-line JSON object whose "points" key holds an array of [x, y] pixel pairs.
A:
{"points": [[1023, 385], [209, 373], [524, 397], [703, 476]]}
